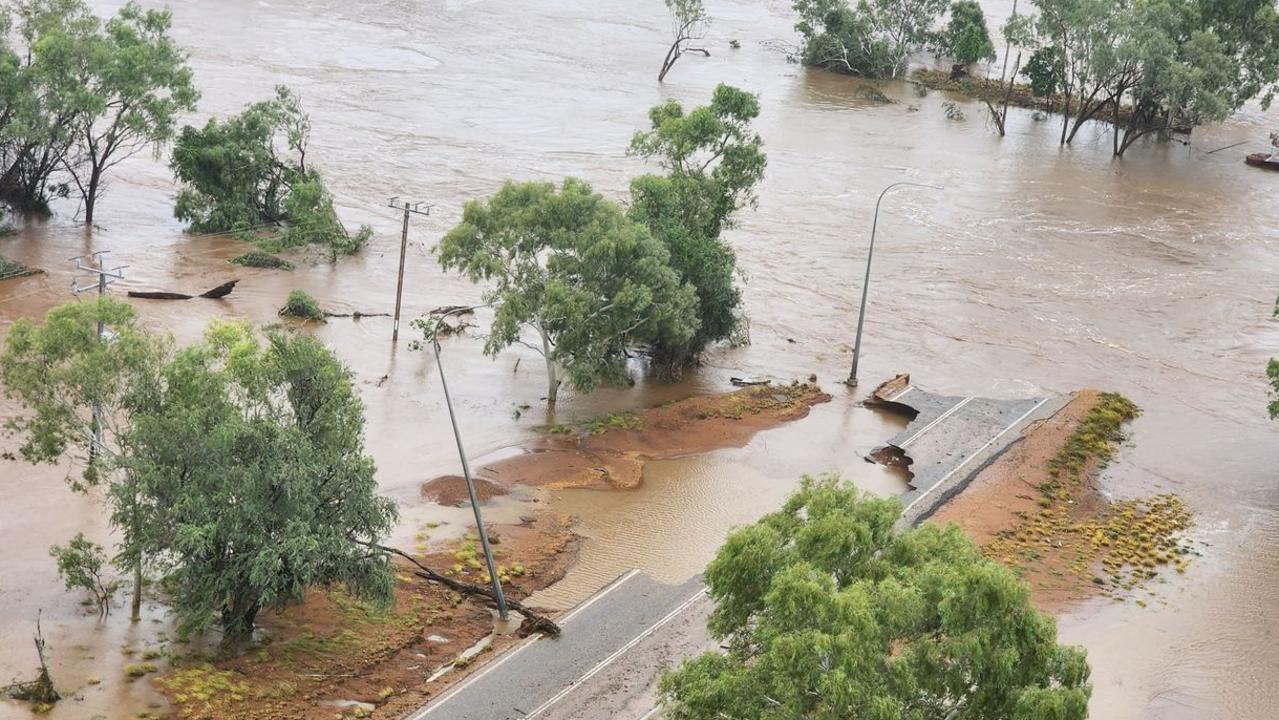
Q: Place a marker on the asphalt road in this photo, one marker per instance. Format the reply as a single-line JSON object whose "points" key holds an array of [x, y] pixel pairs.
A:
{"points": [[604, 664], [953, 438], [613, 647]]}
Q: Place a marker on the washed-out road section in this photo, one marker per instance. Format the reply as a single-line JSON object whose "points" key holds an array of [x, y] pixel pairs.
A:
{"points": [[614, 645]]}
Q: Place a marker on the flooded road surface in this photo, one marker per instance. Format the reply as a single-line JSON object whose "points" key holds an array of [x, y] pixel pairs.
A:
{"points": [[1037, 270]]}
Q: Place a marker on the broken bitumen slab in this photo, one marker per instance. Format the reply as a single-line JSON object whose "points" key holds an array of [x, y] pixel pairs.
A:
{"points": [[951, 438]]}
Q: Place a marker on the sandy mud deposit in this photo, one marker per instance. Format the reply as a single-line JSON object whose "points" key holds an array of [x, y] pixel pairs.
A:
{"points": [[1038, 509]]}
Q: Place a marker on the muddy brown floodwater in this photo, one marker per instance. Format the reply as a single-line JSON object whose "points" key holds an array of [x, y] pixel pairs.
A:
{"points": [[1036, 270]]}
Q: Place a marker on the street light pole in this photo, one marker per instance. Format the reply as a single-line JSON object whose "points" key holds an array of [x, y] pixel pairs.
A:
{"points": [[870, 253], [466, 466]]}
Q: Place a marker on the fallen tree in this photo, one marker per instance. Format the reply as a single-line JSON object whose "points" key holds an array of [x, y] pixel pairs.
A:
{"points": [[220, 291], [538, 622]]}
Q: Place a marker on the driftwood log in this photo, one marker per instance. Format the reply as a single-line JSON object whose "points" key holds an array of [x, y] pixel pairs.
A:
{"points": [[218, 292], [539, 622]]}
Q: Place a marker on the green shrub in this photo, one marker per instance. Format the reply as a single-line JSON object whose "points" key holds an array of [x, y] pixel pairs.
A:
{"points": [[259, 259], [301, 305]]}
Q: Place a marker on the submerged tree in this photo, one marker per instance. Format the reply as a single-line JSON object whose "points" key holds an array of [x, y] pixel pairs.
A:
{"points": [[874, 38], [44, 61], [80, 564], [1157, 66], [966, 37], [136, 82], [713, 160], [828, 613], [249, 174], [689, 22], [568, 265], [256, 479], [60, 371]]}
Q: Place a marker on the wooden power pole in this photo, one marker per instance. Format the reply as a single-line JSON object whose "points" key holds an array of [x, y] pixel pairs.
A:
{"points": [[408, 208]]}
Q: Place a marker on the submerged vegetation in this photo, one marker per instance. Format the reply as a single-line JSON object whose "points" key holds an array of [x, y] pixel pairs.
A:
{"points": [[260, 259], [301, 305], [249, 175], [1131, 540]]}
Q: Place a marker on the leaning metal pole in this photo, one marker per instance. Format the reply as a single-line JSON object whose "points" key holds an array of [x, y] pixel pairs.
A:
{"points": [[870, 253], [466, 467]]}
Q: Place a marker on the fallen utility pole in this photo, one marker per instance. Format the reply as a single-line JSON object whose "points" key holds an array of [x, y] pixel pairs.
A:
{"points": [[105, 277], [408, 208]]}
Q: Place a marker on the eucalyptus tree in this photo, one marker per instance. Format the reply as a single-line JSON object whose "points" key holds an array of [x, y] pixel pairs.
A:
{"points": [[136, 82], [568, 265], [874, 38], [826, 612], [60, 371], [250, 174], [689, 22], [256, 480], [713, 161], [966, 37]]}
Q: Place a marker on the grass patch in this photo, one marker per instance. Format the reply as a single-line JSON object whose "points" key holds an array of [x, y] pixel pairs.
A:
{"points": [[259, 259], [626, 420], [1094, 439], [303, 306], [1131, 540]]}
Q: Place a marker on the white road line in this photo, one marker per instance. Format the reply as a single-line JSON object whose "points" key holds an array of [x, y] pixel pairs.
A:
{"points": [[650, 713], [894, 398], [977, 452], [955, 408], [609, 660], [440, 701]]}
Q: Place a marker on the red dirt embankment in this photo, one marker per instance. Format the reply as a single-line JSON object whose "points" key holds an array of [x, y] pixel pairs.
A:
{"points": [[1038, 510], [610, 452]]}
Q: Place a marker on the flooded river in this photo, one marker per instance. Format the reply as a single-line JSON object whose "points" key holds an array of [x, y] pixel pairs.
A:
{"points": [[1035, 270]]}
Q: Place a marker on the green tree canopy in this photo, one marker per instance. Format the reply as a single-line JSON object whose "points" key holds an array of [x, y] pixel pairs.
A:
{"points": [[137, 81], [966, 37], [567, 264], [60, 371], [45, 53], [255, 479], [874, 38], [831, 614], [249, 173], [713, 160], [1160, 65]]}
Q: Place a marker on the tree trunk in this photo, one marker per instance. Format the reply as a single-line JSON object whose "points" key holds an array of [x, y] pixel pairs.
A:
{"points": [[552, 382], [91, 194], [1065, 118], [134, 537], [671, 56], [237, 620]]}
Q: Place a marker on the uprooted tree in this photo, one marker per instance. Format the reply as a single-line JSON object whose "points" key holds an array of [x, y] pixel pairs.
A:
{"points": [[568, 265], [256, 480], [829, 613], [249, 175], [713, 161], [689, 22]]}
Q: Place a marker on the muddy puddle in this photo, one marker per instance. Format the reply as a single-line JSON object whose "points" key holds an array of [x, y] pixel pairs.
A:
{"points": [[1036, 270]]}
